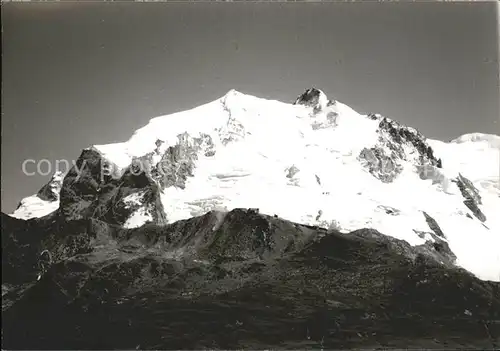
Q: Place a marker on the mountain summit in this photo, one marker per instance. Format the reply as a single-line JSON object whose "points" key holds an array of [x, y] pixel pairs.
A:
{"points": [[315, 162], [42, 203]]}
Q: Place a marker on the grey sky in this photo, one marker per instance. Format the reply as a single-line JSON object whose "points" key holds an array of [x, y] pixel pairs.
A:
{"points": [[78, 74]]}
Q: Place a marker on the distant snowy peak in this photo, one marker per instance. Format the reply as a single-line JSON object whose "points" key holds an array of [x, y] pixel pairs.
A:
{"points": [[44, 202], [491, 139]]}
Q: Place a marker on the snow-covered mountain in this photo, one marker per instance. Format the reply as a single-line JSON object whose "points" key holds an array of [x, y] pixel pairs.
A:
{"points": [[42, 203], [315, 162]]}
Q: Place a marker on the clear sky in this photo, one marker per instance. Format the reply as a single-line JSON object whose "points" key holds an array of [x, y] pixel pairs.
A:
{"points": [[77, 74]]}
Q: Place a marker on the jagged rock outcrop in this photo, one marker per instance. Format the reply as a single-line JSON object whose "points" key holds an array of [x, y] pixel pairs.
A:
{"points": [[82, 185], [471, 196], [314, 98], [119, 200], [330, 120], [437, 246], [375, 116], [382, 166], [233, 130], [96, 188], [89, 191], [436, 250], [23, 243], [214, 281], [401, 135], [42, 203], [439, 250], [178, 161], [433, 225], [385, 160]]}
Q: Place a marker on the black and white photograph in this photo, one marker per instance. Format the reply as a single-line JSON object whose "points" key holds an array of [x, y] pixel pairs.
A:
{"points": [[250, 175]]}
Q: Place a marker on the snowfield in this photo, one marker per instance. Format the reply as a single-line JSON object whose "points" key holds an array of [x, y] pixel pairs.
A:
{"points": [[303, 164]]}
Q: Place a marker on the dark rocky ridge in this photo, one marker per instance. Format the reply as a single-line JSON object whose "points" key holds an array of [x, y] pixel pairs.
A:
{"points": [[384, 161], [403, 135], [97, 194], [178, 162], [433, 225], [235, 280]]}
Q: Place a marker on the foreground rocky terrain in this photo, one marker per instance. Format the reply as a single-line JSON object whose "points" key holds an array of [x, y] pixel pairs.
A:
{"points": [[315, 162], [235, 280]]}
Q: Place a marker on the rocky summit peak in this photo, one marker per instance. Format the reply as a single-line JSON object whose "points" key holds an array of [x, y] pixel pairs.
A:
{"points": [[233, 92], [51, 190], [313, 97], [345, 169]]}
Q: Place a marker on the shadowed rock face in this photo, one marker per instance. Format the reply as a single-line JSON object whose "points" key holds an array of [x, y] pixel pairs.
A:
{"points": [[90, 192], [81, 186], [375, 116], [235, 280], [431, 222], [78, 278], [385, 160], [112, 205], [51, 190], [471, 196], [313, 98], [178, 162], [309, 98], [382, 166]]}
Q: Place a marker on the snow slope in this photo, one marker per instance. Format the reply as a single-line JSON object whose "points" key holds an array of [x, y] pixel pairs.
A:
{"points": [[34, 207], [307, 162], [43, 203]]}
